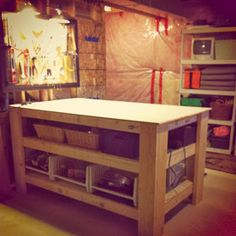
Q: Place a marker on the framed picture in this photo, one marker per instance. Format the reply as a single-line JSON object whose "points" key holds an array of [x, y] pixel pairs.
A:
{"points": [[43, 53]]}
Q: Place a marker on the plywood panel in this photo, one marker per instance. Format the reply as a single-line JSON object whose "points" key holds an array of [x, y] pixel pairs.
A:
{"points": [[141, 112]]}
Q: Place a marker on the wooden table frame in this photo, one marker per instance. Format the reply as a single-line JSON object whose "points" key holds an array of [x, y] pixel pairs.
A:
{"points": [[153, 201]]}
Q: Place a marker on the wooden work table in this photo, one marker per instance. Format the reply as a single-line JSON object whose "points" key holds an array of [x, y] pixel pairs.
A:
{"points": [[151, 121]]}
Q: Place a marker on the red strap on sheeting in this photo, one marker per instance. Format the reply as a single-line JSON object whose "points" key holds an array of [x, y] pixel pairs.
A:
{"points": [[166, 25], [152, 86], [158, 25], [160, 85]]}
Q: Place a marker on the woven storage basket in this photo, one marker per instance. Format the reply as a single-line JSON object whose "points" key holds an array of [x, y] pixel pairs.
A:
{"points": [[221, 111], [50, 133], [82, 139]]}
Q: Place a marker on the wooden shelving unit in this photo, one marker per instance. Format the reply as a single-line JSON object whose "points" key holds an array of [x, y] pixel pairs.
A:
{"points": [[208, 31], [151, 122]]}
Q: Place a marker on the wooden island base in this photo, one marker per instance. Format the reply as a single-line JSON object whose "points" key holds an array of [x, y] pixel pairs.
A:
{"points": [[151, 122]]}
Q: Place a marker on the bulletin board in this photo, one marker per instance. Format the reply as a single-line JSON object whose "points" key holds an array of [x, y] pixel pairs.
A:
{"points": [[42, 53]]}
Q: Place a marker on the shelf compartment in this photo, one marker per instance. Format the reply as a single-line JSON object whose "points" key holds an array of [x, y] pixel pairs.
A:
{"points": [[178, 194], [79, 193], [70, 170], [96, 173], [82, 154], [207, 92], [221, 110], [180, 154], [37, 161]]}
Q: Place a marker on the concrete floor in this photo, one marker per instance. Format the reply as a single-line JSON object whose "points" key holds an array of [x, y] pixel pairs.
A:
{"points": [[41, 213]]}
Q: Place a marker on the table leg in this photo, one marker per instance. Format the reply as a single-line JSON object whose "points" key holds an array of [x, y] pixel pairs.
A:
{"points": [[152, 179], [200, 154], [18, 149]]}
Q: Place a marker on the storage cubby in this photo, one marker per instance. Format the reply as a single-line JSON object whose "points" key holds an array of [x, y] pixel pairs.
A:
{"points": [[175, 175], [37, 161], [113, 182], [120, 143], [219, 136], [182, 136], [70, 170]]}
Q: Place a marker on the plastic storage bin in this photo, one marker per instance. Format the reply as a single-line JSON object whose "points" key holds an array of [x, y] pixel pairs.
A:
{"points": [[197, 102], [219, 142], [120, 143]]}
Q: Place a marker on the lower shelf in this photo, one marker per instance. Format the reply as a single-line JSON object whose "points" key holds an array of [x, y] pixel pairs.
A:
{"points": [[70, 180], [172, 198], [36, 170], [178, 194], [113, 192], [218, 150], [80, 193]]}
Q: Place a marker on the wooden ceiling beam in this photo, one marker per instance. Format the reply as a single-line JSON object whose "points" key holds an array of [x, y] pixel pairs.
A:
{"points": [[138, 8]]}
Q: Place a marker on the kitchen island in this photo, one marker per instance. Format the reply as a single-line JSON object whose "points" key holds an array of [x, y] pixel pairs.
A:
{"points": [[151, 122]]}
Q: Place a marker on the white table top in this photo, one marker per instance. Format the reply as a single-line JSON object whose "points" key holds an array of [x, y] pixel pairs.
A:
{"points": [[129, 111]]}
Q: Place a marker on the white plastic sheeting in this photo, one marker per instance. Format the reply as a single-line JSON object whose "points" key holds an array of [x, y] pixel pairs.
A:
{"points": [[134, 49]]}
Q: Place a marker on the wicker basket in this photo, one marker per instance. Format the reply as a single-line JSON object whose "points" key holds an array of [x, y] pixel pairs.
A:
{"points": [[221, 111], [50, 133], [82, 139]]}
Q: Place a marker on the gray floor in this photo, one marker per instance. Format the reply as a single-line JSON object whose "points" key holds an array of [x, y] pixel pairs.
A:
{"points": [[215, 215]]}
